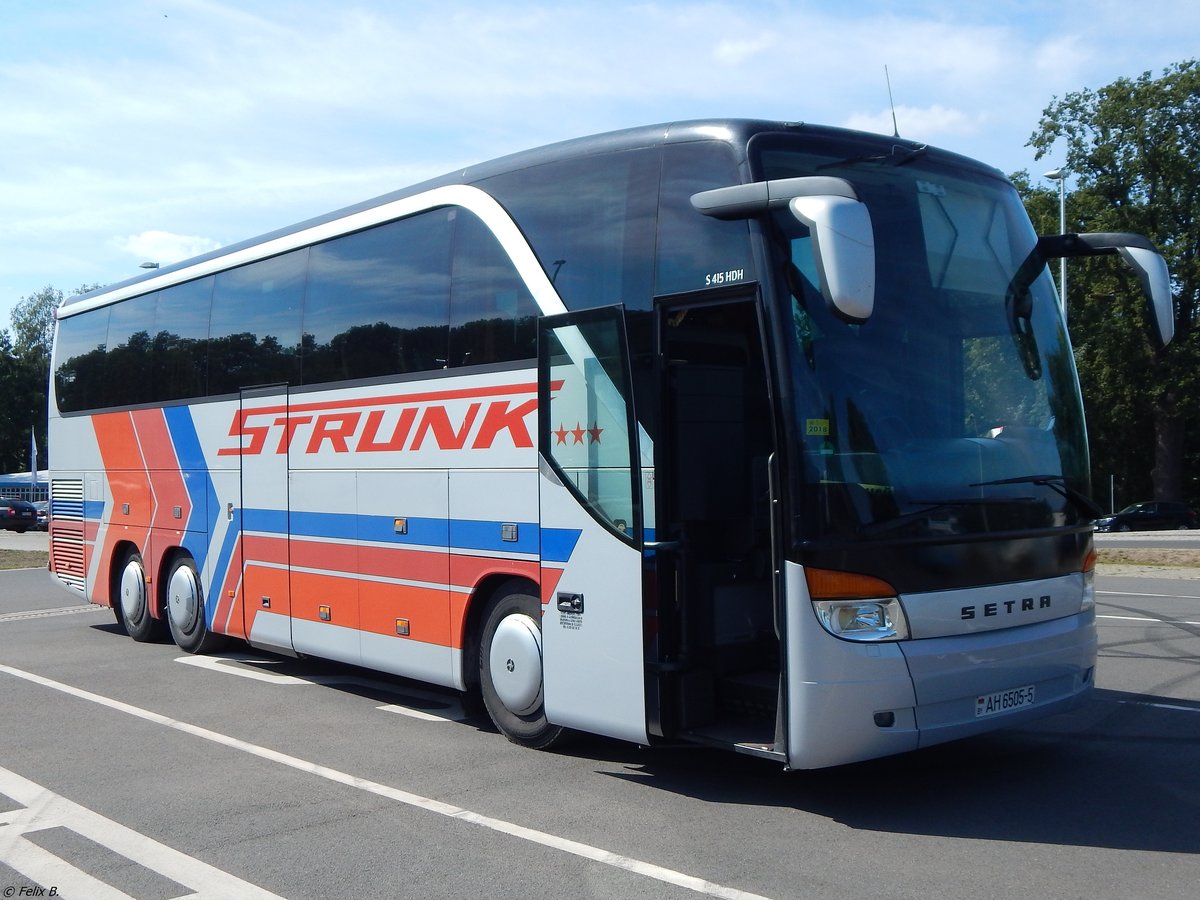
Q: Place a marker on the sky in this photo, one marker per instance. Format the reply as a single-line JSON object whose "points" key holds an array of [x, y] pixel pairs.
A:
{"points": [[154, 130]]}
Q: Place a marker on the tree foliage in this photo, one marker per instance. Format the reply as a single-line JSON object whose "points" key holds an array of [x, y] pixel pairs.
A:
{"points": [[1132, 148], [24, 373]]}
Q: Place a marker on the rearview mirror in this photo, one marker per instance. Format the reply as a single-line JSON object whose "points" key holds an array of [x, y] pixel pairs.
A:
{"points": [[840, 224], [1141, 256]]}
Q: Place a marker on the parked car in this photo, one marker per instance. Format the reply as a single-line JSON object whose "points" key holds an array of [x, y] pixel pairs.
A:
{"points": [[43, 514], [17, 515], [1153, 515]]}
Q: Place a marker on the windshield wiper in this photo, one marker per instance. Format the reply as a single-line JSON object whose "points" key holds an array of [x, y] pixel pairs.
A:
{"points": [[1056, 483]]}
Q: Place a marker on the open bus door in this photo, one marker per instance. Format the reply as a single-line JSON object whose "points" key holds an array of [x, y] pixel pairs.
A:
{"points": [[592, 531]]}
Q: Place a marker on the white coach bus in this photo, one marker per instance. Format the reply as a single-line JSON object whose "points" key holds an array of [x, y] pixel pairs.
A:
{"points": [[754, 434]]}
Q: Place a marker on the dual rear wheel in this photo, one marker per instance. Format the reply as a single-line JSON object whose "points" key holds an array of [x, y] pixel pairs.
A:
{"points": [[183, 604]]}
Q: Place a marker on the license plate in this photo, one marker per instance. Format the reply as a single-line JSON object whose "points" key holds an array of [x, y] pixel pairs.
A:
{"points": [[1003, 701]]}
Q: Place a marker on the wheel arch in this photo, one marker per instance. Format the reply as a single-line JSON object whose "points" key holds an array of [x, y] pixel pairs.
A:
{"points": [[166, 559], [116, 562], [473, 621]]}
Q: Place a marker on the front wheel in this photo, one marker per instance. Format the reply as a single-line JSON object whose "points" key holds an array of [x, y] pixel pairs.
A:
{"points": [[185, 609], [510, 669]]}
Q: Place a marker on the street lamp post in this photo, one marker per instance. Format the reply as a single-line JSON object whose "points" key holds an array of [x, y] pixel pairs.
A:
{"points": [[1061, 177]]}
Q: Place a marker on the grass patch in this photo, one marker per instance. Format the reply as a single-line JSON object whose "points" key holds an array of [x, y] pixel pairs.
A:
{"points": [[23, 559], [1148, 557]]}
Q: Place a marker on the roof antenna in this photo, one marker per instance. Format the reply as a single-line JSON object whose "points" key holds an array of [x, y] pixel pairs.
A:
{"points": [[891, 102]]}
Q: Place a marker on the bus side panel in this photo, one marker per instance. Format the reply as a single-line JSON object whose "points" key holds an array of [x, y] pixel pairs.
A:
{"points": [[404, 570], [593, 653], [322, 542], [493, 533]]}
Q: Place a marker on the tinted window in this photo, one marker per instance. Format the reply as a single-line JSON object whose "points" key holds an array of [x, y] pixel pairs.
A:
{"points": [[254, 330], [493, 317], [129, 325], [697, 251], [377, 301], [179, 348], [591, 223], [80, 352]]}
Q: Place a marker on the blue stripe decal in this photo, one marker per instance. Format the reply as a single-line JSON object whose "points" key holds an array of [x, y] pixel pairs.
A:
{"points": [[467, 534], [224, 561], [559, 543], [556, 544], [194, 470], [270, 521]]}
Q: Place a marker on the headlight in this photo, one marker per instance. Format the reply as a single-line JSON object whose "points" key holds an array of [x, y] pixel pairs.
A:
{"points": [[863, 620], [856, 607]]}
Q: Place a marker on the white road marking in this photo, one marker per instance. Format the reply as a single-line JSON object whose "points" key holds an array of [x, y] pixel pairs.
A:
{"points": [[1158, 596], [46, 613], [219, 664], [42, 809], [1149, 620], [554, 842], [1191, 709], [416, 713]]}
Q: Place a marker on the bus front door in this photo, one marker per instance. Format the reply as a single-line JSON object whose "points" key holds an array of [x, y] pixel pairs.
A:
{"points": [[591, 526], [717, 654], [266, 589]]}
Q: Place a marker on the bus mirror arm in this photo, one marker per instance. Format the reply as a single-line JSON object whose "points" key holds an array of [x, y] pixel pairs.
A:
{"points": [[1140, 254], [843, 241]]}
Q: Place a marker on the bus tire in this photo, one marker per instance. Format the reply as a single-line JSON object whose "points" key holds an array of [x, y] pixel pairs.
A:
{"points": [[132, 606], [185, 609], [510, 668]]}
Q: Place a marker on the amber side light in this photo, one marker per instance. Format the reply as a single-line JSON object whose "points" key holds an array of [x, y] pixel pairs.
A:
{"points": [[1089, 562], [830, 584]]}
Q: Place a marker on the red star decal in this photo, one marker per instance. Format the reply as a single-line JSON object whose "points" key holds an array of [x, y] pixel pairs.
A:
{"points": [[594, 433], [561, 434], [578, 432]]}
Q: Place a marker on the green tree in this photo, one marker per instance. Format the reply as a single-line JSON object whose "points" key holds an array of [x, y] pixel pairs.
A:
{"points": [[22, 407], [1132, 148], [24, 375]]}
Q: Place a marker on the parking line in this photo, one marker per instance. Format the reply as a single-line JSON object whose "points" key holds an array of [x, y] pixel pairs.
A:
{"points": [[554, 842], [42, 810]]}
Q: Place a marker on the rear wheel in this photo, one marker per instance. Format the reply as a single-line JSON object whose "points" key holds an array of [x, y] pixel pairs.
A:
{"points": [[132, 608], [185, 609], [510, 668]]}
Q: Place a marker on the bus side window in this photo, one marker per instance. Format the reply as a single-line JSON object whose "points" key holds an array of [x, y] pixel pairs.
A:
{"points": [[254, 335], [376, 302], [590, 221], [79, 379], [493, 317], [179, 364], [696, 251]]}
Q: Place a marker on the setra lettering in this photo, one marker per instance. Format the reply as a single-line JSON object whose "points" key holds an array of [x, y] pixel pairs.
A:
{"points": [[1005, 607]]}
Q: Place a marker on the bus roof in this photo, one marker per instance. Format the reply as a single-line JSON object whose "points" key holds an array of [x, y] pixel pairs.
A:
{"points": [[736, 132]]}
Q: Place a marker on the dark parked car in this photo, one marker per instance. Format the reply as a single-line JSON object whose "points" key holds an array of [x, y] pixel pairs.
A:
{"points": [[1153, 515], [43, 514], [17, 515]]}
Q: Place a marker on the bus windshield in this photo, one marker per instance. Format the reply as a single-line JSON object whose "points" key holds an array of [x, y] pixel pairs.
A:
{"points": [[953, 410]]}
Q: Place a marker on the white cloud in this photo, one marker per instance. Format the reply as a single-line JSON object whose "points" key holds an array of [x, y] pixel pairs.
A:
{"points": [[164, 248], [932, 123], [224, 120], [732, 53]]}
